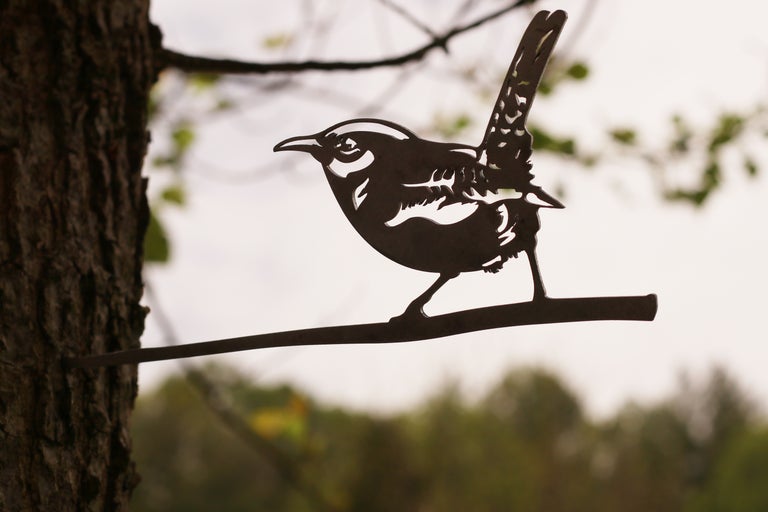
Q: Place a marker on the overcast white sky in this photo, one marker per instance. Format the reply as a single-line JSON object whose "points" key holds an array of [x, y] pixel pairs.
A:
{"points": [[277, 254]]}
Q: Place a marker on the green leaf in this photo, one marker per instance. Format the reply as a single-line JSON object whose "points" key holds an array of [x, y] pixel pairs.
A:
{"points": [[751, 167], [165, 161], [711, 176], [546, 87], [174, 194], [545, 141], [710, 180], [203, 81], [156, 245], [277, 41], [589, 161], [560, 191], [577, 71], [682, 137], [695, 197], [288, 421], [153, 105], [183, 136], [729, 126], [625, 136], [224, 104]]}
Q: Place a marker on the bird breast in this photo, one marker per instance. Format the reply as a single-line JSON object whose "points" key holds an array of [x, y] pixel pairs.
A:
{"points": [[435, 235]]}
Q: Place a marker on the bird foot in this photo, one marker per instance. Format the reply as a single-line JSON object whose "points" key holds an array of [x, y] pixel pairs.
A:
{"points": [[413, 313]]}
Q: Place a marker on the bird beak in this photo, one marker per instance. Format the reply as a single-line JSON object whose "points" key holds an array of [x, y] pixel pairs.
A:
{"points": [[308, 144]]}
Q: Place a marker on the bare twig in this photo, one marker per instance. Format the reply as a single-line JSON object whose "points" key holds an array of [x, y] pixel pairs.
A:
{"points": [[169, 58], [410, 18]]}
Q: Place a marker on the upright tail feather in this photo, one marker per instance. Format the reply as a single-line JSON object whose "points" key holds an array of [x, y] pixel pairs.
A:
{"points": [[507, 142]]}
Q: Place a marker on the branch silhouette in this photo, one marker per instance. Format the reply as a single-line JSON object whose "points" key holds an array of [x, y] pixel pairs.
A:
{"points": [[195, 64], [544, 311]]}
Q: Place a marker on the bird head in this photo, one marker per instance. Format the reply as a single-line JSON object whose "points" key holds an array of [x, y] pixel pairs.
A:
{"points": [[349, 146]]}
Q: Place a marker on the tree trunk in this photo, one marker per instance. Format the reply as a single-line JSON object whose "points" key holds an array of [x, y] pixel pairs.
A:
{"points": [[74, 86]]}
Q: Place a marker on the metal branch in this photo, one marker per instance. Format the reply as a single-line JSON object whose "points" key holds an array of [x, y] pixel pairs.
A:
{"points": [[526, 313], [195, 64]]}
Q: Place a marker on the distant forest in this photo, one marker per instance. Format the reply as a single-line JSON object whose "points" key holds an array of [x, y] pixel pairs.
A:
{"points": [[214, 440]]}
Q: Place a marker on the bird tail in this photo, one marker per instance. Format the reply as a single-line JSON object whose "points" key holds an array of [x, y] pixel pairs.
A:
{"points": [[507, 141], [547, 201]]}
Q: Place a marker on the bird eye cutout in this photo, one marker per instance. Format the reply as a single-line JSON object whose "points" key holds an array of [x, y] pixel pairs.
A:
{"points": [[344, 165], [347, 149], [346, 144]]}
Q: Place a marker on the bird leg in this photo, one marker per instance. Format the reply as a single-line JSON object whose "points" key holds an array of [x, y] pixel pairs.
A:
{"points": [[538, 286], [416, 308]]}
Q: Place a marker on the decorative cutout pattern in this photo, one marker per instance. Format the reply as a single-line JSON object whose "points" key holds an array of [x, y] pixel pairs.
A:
{"points": [[446, 208]]}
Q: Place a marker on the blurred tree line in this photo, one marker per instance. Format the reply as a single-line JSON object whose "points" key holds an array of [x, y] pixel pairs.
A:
{"points": [[527, 445]]}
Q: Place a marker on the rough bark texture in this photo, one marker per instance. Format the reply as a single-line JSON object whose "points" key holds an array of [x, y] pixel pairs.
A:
{"points": [[74, 84]]}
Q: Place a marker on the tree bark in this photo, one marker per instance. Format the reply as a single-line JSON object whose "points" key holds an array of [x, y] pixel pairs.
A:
{"points": [[74, 87]]}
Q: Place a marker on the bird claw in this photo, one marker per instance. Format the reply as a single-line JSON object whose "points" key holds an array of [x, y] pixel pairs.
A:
{"points": [[413, 313]]}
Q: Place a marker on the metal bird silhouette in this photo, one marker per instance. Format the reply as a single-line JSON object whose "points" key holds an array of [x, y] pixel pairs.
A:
{"points": [[444, 207]]}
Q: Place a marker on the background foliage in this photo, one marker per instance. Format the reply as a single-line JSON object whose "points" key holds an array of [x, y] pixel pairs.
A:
{"points": [[527, 445]]}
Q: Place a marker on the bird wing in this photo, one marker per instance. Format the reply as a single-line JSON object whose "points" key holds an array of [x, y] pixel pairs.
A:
{"points": [[506, 145], [458, 178], [445, 195]]}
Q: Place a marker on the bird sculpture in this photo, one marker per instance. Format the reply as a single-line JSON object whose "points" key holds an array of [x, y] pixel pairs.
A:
{"points": [[440, 207], [436, 207]]}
